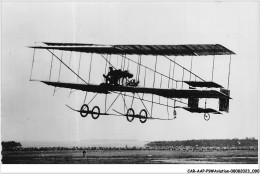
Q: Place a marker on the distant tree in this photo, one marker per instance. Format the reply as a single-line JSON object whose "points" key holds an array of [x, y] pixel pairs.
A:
{"points": [[213, 142], [11, 145]]}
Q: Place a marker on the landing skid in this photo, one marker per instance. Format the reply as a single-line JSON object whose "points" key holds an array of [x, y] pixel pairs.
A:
{"points": [[89, 112], [138, 116], [130, 117]]}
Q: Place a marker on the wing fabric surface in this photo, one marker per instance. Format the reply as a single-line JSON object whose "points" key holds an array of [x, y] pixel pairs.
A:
{"points": [[170, 50], [168, 93], [82, 87]]}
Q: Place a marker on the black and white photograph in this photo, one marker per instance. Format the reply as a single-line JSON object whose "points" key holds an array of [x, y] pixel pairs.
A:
{"points": [[132, 82]]}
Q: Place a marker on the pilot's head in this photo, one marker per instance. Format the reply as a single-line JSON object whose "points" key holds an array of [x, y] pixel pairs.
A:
{"points": [[110, 68]]}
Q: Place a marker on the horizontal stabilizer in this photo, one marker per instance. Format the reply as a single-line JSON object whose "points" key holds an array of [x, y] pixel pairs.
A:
{"points": [[203, 84], [201, 110]]}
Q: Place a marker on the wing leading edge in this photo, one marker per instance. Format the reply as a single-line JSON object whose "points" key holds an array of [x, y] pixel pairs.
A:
{"points": [[174, 50]]}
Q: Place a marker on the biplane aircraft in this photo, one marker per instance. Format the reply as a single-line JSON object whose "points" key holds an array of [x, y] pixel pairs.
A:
{"points": [[122, 82]]}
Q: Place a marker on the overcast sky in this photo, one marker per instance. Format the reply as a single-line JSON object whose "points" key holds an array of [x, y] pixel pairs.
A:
{"points": [[30, 112]]}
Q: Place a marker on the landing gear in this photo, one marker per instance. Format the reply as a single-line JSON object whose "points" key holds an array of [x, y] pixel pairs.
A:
{"points": [[206, 116], [143, 116], [95, 112], [130, 112], [84, 110]]}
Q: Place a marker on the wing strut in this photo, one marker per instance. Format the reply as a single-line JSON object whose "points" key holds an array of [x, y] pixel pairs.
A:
{"points": [[155, 66], [60, 65], [184, 68], [67, 67], [88, 76], [213, 68], [78, 73], [51, 66], [148, 68], [191, 61], [59, 73], [229, 70], [32, 63]]}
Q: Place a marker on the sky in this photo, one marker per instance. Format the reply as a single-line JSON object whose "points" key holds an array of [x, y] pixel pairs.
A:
{"points": [[30, 112]]}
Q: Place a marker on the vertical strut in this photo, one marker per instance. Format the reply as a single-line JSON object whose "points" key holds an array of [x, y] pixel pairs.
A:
{"points": [[133, 100], [229, 70], [60, 66], [51, 66], [160, 87], [144, 80], [70, 57], [155, 65], [123, 64], [168, 88], [88, 77], [79, 66], [105, 68], [90, 68], [144, 76], [169, 74], [191, 66], [128, 64], [67, 66], [139, 66], [173, 72], [32, 63], [182, 78], [213, 68], [137, 69]]}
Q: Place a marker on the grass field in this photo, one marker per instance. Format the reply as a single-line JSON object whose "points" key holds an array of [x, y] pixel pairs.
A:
{"points": [[129, 157]]}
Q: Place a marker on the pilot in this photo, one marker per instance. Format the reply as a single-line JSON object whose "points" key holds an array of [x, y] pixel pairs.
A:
{"points": [[109, 75]]}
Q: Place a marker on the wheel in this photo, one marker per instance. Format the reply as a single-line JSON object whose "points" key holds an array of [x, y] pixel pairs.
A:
{"points": [[97, 112], [84, 110], [130, 112], [206, 116], [144, 112]]}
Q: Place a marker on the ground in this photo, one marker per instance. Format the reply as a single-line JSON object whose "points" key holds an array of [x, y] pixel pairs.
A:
{"points": [[130, 157]]}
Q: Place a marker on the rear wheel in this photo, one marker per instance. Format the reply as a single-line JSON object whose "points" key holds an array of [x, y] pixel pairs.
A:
{"points": [[130, 112], [84, 110], [95, 112], [206, 116], [143, 114]]}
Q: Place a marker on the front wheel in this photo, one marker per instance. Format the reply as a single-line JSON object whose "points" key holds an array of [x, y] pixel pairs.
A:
{"points": [[130, 112], [84, 110], [95, 112], [143, 114]]}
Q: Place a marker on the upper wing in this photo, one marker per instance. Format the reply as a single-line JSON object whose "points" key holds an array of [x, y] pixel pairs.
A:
{"points": [[175, 50], [168, 93]]}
